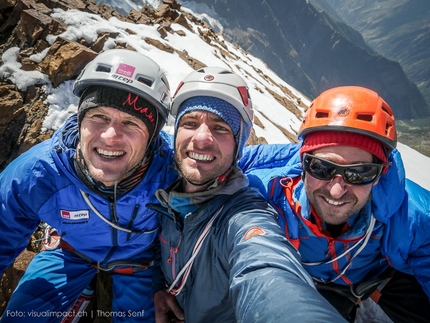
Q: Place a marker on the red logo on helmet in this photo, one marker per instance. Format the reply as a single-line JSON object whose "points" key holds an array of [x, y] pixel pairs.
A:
{"points": [[209, 77], [343, 113]]}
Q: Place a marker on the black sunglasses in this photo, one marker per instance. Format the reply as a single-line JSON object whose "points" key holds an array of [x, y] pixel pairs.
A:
{"points": [[354, 174]]}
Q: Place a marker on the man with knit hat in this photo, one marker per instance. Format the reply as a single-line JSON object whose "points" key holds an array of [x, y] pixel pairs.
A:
{"points": [[361, 228], [223, 256], [90, 184]]}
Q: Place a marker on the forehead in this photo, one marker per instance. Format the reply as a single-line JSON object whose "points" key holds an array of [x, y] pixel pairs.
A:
{"points": [[344, 154], [112, 112]]}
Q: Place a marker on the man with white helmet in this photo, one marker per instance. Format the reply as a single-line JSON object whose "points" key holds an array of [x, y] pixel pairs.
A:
{"points": [[223, 256], [92, 184]]}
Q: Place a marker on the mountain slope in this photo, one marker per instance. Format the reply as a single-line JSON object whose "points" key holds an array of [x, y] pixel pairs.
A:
{"points": [[312, 52], [397, 29], [307, 48]]}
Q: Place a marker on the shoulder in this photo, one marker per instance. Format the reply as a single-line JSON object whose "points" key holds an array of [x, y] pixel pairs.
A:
{"points": [[32, 162], [264, 162], [247, 206], [268, 156]]}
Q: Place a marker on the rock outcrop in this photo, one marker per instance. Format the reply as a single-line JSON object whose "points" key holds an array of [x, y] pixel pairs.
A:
{"points": [[25, 24]]}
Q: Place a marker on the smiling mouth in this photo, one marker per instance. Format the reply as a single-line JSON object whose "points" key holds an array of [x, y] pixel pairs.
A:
{"points": [[334, 203], [109, 154], [200, 157]]}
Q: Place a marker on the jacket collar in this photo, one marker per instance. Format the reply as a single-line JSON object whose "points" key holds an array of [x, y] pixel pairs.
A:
{"points": [[183, 203]]}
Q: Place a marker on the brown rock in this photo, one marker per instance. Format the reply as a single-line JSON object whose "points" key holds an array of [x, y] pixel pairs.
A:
{"points": [[173, 4], [162, 11], [6, 4], [65, 60], [12, 275], [159, 45], [191, 61], [13, 18], [31, 27], [181, 20]]}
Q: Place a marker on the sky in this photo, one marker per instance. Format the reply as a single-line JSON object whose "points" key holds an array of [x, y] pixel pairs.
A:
{"points": [[62, 103]]}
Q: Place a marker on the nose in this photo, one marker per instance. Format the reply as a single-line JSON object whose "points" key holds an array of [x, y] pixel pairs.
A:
{"points": [[203, 135], [112, 131], [337, 187]]}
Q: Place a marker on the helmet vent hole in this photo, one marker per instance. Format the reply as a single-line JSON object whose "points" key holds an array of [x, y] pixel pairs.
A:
{"points": [[387, 128], [387, 111], [321, 115], [365, 117], [103, 68], [165, 82], [145, 81]]}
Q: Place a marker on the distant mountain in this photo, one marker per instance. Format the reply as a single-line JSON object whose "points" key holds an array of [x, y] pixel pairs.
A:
{"points": [[313, 52], [397, 29]]}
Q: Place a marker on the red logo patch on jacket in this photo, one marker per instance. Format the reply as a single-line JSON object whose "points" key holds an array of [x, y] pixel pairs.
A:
{"points": [[253, 231]]}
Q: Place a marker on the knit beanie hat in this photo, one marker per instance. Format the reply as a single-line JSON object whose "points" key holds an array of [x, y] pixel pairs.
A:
{"points": [[97, 96], [320, 139], [217, 106]]}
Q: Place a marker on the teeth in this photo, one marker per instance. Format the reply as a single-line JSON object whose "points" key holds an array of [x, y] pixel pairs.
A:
{"points": [[107, 153], [333, 202], [201, 157]]}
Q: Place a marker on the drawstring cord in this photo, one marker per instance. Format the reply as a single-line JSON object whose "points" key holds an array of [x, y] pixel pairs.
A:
{"points": [[366, 238], [87, 200], [185, 271]]}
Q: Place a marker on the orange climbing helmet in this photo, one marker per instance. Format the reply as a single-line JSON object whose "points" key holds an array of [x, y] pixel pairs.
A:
{"points": [[351, 109]]}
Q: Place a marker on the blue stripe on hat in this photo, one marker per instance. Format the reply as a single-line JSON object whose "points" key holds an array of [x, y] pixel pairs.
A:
{"points": [[217, 106]]}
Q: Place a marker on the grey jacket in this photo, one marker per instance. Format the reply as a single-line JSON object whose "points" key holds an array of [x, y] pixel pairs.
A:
{"points": [[245, 270]]}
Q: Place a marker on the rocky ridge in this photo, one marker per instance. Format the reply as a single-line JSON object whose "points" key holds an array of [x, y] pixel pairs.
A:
{"points": [[25, 24]]}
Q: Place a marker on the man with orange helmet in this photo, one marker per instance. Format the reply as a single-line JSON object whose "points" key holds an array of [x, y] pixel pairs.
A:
{"points": [[361, 228]]}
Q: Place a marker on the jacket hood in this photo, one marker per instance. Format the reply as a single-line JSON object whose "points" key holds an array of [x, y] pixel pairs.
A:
{"points": [[389, 193]]}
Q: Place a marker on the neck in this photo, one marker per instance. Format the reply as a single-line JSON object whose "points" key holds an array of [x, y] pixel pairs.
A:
{"points": [[189, 187]]}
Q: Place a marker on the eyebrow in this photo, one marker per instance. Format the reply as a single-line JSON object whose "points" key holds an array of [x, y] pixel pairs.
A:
{"points": [[212, 116]]}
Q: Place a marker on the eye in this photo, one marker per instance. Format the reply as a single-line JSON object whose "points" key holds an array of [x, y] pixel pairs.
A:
{"points": [[131, 123], [100, 117], [222, 128], [189, 124]]}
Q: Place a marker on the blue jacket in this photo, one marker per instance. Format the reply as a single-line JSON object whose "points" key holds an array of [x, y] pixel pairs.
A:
{"points": [[399, 235], [245, 270], [42, 184]]}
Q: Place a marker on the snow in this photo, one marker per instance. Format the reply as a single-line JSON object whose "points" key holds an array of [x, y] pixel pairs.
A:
{"points": [[12, 69]]}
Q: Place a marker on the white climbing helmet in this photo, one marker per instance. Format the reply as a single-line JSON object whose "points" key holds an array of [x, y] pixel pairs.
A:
{"points": [[217, 82], [129, 71]]}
